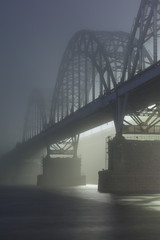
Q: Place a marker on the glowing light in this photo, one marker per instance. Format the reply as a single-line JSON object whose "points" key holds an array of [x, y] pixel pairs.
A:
{"points": [[148, 202], [97, 129], [93, 186], [151, 106]]}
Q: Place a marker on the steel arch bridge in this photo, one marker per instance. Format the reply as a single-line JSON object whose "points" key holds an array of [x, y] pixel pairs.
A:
{"points": [[96, 63], [103, 76], [92, 66]]}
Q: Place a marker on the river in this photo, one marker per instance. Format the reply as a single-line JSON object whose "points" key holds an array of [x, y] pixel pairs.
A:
{"points": [[77, 213]]}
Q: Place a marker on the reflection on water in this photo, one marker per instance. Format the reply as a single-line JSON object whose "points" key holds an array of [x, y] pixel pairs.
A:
{"points": [[77, 213], [88, 192], [145, 201], [120, 217]]}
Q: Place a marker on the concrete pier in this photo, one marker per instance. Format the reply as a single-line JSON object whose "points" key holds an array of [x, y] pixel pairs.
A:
{"points": [[60, 171], [133, 167]]}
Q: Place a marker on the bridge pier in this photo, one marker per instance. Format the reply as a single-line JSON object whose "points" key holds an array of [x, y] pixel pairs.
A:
{"points": [[61, 166], [133, 167], [61, 172]]}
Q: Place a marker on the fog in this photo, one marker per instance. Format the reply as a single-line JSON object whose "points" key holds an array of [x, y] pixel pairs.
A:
{"points": [[93, 151], [34, 35]]}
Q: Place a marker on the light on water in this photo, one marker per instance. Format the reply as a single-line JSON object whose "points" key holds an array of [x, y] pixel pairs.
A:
{"points": [[92, 186], [148, 202]]}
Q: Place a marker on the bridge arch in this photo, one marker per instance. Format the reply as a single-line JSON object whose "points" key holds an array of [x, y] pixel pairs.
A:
{"points": [[146, 29], [35, 119], [91, 66]]}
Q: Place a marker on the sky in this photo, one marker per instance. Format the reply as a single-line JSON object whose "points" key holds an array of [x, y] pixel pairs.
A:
{"points": [[34, 35]]}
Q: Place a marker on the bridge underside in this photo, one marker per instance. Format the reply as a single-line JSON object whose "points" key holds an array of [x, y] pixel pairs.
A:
{"points": [[142, 92]]}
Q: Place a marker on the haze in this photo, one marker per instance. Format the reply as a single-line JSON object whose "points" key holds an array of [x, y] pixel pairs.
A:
{"points": [[34, 35]]}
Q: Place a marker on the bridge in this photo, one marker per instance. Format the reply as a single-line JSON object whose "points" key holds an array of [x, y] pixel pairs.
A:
{"points": [[103, 76]]}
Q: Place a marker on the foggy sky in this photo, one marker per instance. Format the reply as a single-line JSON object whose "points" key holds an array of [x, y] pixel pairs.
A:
{"points": [[34, 34]]}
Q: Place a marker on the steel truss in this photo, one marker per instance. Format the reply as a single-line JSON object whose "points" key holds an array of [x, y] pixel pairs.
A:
{"points": [[144, 34], [145, 121], [91, 66], [66, 147], [96, 63]]}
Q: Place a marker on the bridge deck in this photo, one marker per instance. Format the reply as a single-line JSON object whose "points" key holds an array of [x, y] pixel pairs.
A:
{"points": [[142, 90]]}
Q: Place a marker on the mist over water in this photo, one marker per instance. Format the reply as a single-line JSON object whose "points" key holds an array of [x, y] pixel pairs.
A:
{"points": [[92, 149]]}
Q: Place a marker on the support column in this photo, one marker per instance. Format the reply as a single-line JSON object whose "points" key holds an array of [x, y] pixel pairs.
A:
{"points": [[118, 109], [61, 166], [134, 164]]}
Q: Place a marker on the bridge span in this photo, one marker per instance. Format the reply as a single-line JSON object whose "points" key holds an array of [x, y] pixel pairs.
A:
{"points": [[142, 91], [103, 76]]}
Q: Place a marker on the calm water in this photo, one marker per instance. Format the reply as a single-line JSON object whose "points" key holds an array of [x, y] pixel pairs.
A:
{"points": [[77, 213]]}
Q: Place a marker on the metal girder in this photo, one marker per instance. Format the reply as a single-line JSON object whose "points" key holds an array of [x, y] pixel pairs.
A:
{"points": [[91, 66], [145, 121], [97, 62], [144, 35], [136, 59], [118, 109], [64, 147]]}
